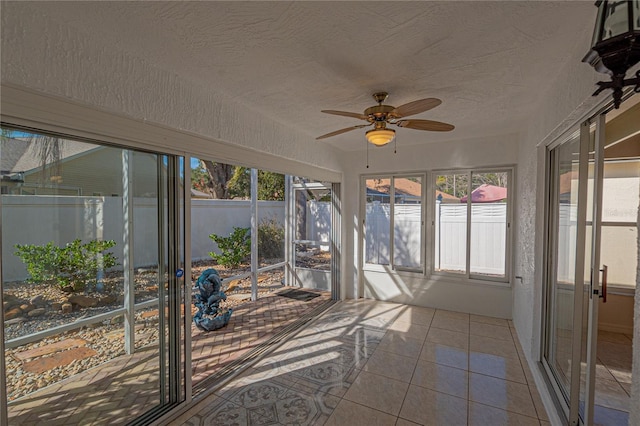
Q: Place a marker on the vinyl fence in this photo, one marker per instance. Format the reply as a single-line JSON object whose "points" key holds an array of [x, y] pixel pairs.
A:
{"points": [[39, 219], [488, 236]]}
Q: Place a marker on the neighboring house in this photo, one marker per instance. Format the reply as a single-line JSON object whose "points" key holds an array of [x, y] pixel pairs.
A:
{"points": [[486, 193], [406, 191], [83, 170]]}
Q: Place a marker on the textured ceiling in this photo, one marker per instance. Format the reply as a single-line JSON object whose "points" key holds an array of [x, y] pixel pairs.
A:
{"points": [[490, 62]]}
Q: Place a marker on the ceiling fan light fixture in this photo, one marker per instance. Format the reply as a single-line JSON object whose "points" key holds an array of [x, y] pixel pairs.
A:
{"points": [[380, 137]]}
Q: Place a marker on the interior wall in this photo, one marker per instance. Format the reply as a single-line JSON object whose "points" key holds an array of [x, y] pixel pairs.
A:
{"points": [[69, 65], [416, 289], [565, 103]]}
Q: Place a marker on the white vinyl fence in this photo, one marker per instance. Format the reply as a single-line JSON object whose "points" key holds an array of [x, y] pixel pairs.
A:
{"points": [[319, 222], [40, 219], [488, 236]]}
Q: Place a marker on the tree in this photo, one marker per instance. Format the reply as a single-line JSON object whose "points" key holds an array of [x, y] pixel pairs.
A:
{"points": [[219, 176], [224, 181], [200, 178], [270, 185], [458, 184]]}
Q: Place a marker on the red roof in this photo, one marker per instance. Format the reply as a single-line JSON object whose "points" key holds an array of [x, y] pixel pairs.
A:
{"points": [[486, 194]]}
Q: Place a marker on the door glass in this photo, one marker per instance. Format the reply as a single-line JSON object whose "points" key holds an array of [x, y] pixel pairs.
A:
{"points": [[563, 222], [84, 278]]}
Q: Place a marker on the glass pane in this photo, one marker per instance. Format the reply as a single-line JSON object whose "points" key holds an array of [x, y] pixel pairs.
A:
{"points": [[488, 223], [271, 207], [616, 19], [313, 227], [407, 222], [451, 223], [620, 195], [378, 221], [80, 221], [562, 277]]}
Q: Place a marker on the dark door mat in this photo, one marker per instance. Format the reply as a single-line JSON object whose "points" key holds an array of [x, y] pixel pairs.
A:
{"points": [[301, 295]]}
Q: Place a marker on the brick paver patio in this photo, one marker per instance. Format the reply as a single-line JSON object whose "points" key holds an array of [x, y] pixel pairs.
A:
{"points": [[126, 387]]}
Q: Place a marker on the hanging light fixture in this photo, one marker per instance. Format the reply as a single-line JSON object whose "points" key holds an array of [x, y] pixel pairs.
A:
{"points": [[380, 136], [616, 45]]}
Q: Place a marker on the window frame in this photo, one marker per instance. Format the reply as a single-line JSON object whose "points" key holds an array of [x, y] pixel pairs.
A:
{"points": [[431, 201], [423, 268]]}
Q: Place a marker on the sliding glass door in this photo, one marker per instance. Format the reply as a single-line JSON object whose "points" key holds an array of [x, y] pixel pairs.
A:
{"points": [[92, 241], [573, 272]]}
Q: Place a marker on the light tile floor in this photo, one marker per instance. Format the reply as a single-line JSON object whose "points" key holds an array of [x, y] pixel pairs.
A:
{"points": [[613, 379], [375, 363]]}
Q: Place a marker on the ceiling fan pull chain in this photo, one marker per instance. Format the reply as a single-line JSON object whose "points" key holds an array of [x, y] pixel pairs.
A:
{"points": [[395, 145], [367, 144]]}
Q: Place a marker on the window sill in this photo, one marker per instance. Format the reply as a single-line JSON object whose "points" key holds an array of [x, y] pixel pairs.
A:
{"points": [[437, 276]]}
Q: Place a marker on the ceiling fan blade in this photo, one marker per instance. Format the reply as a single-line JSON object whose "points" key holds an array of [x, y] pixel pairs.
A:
{"points": [[416, 107], [338, 132], [434, 126], [345, 114]]}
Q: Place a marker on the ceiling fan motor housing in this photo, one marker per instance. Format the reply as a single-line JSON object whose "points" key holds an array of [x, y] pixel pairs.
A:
{"points": [[379, 112]]}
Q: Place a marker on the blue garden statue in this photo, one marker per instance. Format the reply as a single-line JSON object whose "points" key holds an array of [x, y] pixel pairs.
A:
{"points": [[209, 316]]}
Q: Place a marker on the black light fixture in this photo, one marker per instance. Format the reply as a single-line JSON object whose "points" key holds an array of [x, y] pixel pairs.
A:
{"points": [[616, 45]]}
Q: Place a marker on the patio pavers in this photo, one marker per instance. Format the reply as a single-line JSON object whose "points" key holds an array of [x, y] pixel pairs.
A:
{"points": [[124, 388]]}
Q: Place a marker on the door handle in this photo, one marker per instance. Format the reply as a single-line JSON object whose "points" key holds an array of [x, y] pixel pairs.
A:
{"points": [[603, 293]]}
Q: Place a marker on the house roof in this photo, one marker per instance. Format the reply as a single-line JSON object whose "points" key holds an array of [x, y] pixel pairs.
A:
{"points": [[21, 155], [403, 186], [486, 193]]}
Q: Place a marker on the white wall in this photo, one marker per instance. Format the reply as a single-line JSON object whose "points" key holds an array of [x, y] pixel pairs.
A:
{"points": [[81, 69], [564, 103], [412, 288]]}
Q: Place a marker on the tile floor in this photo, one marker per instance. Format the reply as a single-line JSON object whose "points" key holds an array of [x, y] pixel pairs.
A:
{"points": [[613, 378], [374, 363]]}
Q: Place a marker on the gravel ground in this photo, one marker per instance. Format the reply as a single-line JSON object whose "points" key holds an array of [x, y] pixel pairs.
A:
{"points": [[106, 337]]}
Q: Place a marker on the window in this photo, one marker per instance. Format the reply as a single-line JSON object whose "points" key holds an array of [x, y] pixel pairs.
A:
{"points": [[471, 223], [394, 221]]}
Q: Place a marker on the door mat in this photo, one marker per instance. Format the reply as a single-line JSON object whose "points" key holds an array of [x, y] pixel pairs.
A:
{"points": [[301, 295]]}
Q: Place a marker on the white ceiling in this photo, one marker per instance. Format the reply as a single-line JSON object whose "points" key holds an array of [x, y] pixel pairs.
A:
{"points": [[489, 62]]}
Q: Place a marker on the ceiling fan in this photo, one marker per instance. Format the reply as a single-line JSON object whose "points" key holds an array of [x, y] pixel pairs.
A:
{"points": [[379, 116]]}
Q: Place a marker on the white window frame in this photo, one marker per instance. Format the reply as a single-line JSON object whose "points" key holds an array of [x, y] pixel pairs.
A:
{"points": [[468, 275], [363, 192]]}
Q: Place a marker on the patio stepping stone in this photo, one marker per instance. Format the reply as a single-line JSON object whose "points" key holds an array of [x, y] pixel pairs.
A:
{"points": [[49, 349], [59, 359]]}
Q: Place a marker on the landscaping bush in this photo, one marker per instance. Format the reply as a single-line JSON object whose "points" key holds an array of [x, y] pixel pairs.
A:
{"points": [[234, 249], [71, 266], [270, 239]]}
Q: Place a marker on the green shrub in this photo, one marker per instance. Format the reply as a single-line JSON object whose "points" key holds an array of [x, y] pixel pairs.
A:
{"points": [[234, 249], [42, 262], [270, 239], [73, 265]]}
